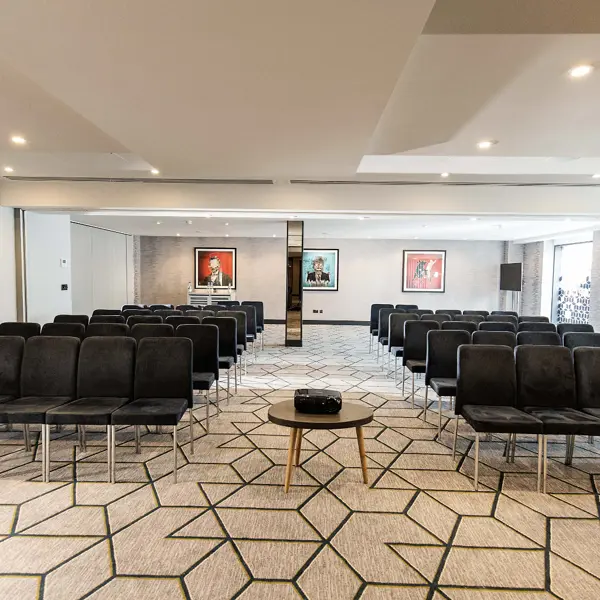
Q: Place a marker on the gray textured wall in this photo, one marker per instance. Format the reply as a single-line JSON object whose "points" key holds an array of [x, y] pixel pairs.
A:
{"points": [[531, 297]]}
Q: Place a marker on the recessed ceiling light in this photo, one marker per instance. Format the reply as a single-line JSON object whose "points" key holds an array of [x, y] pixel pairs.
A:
{"points": [[486, 144], [416, 238], [226, 235], [444, 175], [189, 222], [473, 219], [226, 223], [596, 176], [154, 171], [274, 235], [579, 71], [178, 234], [158, 222], [8, 169], [18, 139]]}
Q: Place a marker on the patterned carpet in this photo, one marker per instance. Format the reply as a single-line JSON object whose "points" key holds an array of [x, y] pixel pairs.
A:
{"points": [[227, 530]]}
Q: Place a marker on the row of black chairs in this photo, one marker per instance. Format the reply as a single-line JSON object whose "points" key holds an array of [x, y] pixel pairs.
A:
{"points": [[183, 307]]}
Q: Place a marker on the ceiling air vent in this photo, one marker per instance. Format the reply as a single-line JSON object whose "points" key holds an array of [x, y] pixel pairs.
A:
{"points": [[148, 180], [438, 183]]}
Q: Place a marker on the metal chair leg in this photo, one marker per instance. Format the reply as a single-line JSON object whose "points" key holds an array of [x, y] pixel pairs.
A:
{"points": [[508, 447], [138, 449], [191, 430], [83, 439], [174, 453], [228, 378], [113, 454], [235, 370], [207, 412], [476, 461], [44, 444], [439, 416], [218, 407], [514, 447], [455, 439], [108, 455], [27, 437], [403, 378], [590, 439], [413, 390], [48, 461], [539, 466], [545, 444], [425, 412], [396, 370]]}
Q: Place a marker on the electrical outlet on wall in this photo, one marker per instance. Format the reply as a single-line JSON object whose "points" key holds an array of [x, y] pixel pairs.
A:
{"points": [[315, 311], [321, 311]]}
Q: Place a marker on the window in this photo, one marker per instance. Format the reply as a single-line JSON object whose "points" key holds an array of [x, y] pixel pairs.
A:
{"points": [[572, 271]]}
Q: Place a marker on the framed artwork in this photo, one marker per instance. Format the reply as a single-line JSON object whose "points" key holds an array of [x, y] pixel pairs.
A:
{"points": [[320, 270], [215, 267], [424, 271]]}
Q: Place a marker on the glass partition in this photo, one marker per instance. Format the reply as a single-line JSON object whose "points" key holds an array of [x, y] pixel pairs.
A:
{"points": [[293, 318]]}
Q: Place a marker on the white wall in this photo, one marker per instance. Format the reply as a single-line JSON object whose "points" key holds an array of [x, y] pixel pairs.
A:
{"points": [[47, 242], [102, 267], [8, 293]]}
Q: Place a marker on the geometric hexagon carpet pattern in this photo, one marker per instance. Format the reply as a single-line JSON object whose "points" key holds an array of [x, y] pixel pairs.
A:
{"points": [[227, 530]]}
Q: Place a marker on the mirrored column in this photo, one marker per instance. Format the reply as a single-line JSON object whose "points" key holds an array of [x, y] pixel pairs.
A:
{"points": [[293, 315]]}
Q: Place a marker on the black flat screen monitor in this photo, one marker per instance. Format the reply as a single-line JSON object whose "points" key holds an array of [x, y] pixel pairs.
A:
{"points": [[511, 276]]}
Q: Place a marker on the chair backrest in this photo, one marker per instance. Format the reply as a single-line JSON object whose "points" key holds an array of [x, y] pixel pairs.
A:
{"points": [[184, 307], [136, 312], [460, 325], [495, 338], [481, 313], [11, 356], [536, 326], [106, 366], [106, 312], [538, 338], [503, 319], [472, 318], [260, 311], [415, 339], [407, 307], [108, 319], [50, 366], [24, 330], [228, 303], [587, 377], [201, 314], [133, 307], [506, 313], [164, 313], [153, 330], [83, 319], [442, 352], [227, 335], [155, 307], [437, 318], [576, 340], [396, 327], [61, 329], [178, 320], [374, 319], [545, 377], [497, 326], [250, 318], [526, 319], [136, 319], [563, 328], [422, 311], [486, 376], [240, 317], [106, 329], [163, 368], [383, 326], [448, 311], [205, 339], [215, 307]]}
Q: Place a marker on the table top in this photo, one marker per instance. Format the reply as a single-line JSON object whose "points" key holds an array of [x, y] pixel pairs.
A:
{"points": [[351, 415]]}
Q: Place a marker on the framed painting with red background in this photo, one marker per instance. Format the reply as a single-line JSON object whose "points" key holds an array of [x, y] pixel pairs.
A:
{"points": [[216, 267], [424, 271]]}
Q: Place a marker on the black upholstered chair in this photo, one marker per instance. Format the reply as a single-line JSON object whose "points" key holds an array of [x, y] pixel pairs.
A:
{"points": [[486, 399], [106, 312], [497, 326], [260, 318], [415, 349], [107, 319], [546, 389], [383, 327], [136, 319], [481, 313], [450, 311], [460, 325], [396, 336], [587, 379], [184, 307], [242, 336], [133, 307], [374, 323], [538, 338], [151, 330], [535, 319], [251, 331], [11, 356], [230, 303], [510, 313], [136, 312], [470, 317], [441, 366], [83, 319], [61, 329], [494, 338], [205, 339], [407, 307], [503, 319], [177, 320], [201, 314], [167, 312], [48, 377], [162, 390], [155, 307], [24, 330], [104, 384], [575, 340], [215, 307], [227, 345], [536, 326], [563, 328], [106, 329], [422, 311], [438, 318]]}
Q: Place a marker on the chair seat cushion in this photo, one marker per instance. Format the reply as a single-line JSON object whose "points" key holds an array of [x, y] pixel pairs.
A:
{"points": [[6, 398], [500, 419], [416, 366], [443, 386], [375, 332], [250, 337], [397, 350], [383, 341], [85, 411], [565, 421], [595, 412], [151, 411], [226, 362], [202, 381], [30, 409]]}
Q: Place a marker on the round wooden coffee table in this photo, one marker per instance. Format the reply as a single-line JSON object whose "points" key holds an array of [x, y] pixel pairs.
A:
{"points": [[351, 415]]}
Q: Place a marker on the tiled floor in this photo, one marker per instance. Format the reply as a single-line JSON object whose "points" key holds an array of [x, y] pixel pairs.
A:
{"points": [[227, 530]]}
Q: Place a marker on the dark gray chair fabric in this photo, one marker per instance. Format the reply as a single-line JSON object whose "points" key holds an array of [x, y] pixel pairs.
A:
{"points": [[260, 313], [503, 319], [481, 313], [104, 382], [396, 331], [422, 311], [470, 318], [441, 360], [495, 338], [240, 317], [61, 329], [133, 307], [83, 319], [538, 338], [136, 312], [155, 307], [460, 325], [106, 329], [201, 314], [251, 331], [227, 339], [164, 313], [449, 311], [407, 307], [205, 339], [415, 344], [215, 308], [108, 319], [497, 326], [230, 303], [24, 330], [178, 320], [48, 377], [438, 318], [563, 328], [383, 324], [587, 378], [575, 340], [106, 312], [151, 330], [184, 307], [528, 319], [11, 356], [510, 313], [136, 319], [536, 326]]}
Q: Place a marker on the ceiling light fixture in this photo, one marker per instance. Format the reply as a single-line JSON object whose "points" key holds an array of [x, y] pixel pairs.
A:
{"points": [[18, 139], [189, 222], [8, 169], [226, 224], [596, 176], [579, 71], [178, 234], [274, 235], [444, 175], [154, 171], [226, 235], [486, 144], [158, 222]]}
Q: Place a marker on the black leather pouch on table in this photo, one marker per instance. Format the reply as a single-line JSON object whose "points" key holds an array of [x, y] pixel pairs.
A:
{"points": [[318, 402]]}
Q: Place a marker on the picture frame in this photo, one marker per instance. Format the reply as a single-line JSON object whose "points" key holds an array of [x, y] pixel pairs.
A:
{"points": [[320, 269], [205, 262], [424, 271]]}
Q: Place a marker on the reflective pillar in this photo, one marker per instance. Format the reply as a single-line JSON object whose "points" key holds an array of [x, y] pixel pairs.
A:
{"points": [[293, 314]]}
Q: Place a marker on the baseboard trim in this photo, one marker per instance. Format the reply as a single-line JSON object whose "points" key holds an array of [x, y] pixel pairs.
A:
{"points": [[317, 322]]}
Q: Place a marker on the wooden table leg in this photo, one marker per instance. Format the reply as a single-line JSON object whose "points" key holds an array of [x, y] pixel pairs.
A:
{"points": [[290, 460], [363, 454], [298, 447]]}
